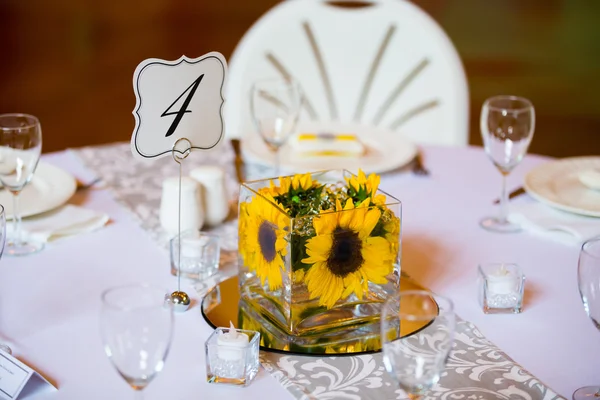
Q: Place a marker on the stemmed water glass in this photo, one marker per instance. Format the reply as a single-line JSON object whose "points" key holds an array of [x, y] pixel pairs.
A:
{"points": [[588, 279], [20, 148], [416, 361], [136, 326], [507, 125], [2, 241], [275, 108]]}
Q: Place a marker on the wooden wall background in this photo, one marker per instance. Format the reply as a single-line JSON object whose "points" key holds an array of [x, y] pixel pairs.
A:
{"points": [[70, 62]]}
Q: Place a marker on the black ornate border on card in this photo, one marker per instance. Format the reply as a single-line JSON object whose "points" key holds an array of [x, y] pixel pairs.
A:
{"points": [[182, 59]]}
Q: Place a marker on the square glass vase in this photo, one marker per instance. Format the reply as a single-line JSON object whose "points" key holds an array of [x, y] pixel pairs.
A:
{"points": [[324, 275]]}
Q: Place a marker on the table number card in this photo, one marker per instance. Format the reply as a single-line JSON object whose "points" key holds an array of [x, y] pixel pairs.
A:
{"points": [[17, 380], [178, 99]]}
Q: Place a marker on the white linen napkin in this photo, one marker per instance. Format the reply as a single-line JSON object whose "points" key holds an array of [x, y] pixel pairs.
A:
{"points": [[68, 220], [554, 224]]}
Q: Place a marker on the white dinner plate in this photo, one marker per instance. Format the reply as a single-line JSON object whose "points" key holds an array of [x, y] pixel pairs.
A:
{"points": [[49, 188], [386, 150], [557, 184]]}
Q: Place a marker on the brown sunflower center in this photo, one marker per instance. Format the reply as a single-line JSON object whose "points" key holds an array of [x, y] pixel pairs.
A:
{"points": [[345, 255], [266, 239]]}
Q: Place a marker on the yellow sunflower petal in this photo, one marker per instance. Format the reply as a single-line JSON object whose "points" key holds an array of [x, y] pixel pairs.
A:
{"points": [[371, 218], [332, 292], [345, 217], [298, 276], [379, 199], [362, 178], [373, 183], [325, 224], [317, 248]]}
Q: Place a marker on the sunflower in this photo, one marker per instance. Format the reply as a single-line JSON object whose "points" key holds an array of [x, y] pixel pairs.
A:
{"points": [[362, 187], [299, 194], [242, 224], [296, 182], [344, 257], [392, 231], [264, 239]]}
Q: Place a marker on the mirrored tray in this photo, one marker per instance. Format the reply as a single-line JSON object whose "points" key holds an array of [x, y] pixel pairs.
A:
{"points": [[222, 304]]}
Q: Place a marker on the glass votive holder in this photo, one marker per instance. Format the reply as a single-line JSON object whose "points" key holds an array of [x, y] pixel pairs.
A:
{"points": [[232, 356], [200, 254], [501, 287]]}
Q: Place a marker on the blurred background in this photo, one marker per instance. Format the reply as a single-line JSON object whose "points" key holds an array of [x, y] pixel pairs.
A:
{"points": [[71, 62]]}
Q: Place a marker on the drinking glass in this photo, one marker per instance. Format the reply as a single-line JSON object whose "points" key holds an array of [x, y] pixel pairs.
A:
{"points": [[507, 125], [20, 148], [2, 241], [275, 108], [588, 279], [417, 360], [136, 326]]}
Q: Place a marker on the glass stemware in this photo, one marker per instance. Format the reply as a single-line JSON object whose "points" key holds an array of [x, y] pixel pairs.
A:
{"points": [[3, 347], [507, 126], [20, 148], [136, 326], [417, 361], [588, 279], [275, 108]]}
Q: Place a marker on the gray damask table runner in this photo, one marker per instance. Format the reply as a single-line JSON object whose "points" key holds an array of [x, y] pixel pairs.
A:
{"points": [[476, 369]]}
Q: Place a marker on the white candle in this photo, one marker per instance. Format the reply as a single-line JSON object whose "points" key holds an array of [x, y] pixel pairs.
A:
{"points": [[230, 345], [501, 281], [193, 247]]}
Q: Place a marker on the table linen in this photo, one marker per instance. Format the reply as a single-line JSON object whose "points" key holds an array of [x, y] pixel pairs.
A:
{"points": [[442, 245], [311, 386]]}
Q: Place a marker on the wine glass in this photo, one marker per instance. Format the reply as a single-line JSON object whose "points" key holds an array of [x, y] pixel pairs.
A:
{"points": [[416, 360], [588, 279], [136, 326], [20, 148], [3, 347], [507, 125], [275, 108]]}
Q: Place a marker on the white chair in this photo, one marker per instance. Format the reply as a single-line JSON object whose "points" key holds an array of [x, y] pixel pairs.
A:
{"points": [[387, 64]]}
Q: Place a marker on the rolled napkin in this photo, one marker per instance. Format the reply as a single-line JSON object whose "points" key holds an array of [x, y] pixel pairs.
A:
{"points": [[68, 220], [344, 145], [554, 224]]}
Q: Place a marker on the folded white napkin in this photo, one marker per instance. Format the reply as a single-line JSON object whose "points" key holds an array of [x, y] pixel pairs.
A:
{"points": [[554, 224], [68, 220]]}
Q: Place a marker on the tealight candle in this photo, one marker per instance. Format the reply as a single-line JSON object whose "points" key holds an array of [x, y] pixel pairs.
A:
{"points": [[232, 356], [200, 254], [193, 246], [501, 281], [231, 344], [501, 288]]}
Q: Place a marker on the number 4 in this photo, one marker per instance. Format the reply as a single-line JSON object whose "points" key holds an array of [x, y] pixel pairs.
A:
{"points": [[179, 113]]}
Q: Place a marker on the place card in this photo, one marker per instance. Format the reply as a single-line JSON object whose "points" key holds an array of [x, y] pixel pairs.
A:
{"points": [[176, 100], [18, 379]]}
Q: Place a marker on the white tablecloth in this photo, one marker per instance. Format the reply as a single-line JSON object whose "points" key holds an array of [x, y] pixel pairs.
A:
{"points": [[49, 302]]}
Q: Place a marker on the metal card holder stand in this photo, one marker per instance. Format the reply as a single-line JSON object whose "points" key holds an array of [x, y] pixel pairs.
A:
{"points": [[179, 299]]}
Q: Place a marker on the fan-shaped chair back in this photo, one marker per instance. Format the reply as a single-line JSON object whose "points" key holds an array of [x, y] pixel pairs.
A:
{"points": [[387, 64]]}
